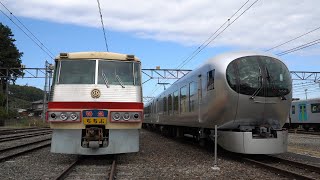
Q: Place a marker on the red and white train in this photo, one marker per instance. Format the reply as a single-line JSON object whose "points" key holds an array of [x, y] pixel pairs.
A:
{"points": [[96, 104]]}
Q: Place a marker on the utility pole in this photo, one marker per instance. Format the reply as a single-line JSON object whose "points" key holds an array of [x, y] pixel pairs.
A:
{"points": [[306, 93], [7, 91], [45, 92], [51, 68]]}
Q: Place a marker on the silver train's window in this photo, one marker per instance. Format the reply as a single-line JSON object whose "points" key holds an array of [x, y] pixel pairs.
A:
{"points": [[210, 80], [192, 96], [117, 72], [183, 99], [170, 107], [247, 75], [77, 72], [164, 105], [175, 102]]}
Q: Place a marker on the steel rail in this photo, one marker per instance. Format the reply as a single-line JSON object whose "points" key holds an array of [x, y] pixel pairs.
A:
{"points": [[304, 132], [23, 145], [16, 131], [113, 170], [23, 152], [67, 171], [285, 172], [4, 139]]}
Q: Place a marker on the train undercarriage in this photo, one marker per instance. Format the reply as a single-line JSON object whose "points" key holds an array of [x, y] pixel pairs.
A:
{"points": [[257, 140]]}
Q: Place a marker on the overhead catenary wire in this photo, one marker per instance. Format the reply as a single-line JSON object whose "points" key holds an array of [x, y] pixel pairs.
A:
{"points": [[229, 24], [41, 45], [210, 39], [303, 46], [104, 32], [293, 39]]}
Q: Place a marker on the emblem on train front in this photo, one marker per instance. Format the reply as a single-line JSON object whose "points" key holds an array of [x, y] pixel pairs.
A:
{"points": [[95, 93]]}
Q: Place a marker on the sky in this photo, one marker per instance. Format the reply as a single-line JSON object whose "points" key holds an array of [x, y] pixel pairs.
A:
{"points": [[164, 33]]}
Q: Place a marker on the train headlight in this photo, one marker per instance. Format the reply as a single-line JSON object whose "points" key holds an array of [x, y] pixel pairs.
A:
{"points": [[126, 116], [73, 116], [116, 116], [53, 116], [63, 116], [136, 116]]}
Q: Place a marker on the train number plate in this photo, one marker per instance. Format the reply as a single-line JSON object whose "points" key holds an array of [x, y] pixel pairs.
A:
{"points": [[94, 120], [94, 116]]}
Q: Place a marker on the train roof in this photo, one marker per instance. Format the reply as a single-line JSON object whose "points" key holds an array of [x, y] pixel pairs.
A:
{"points": [[307, 100], [222, 59], [97, 55]]}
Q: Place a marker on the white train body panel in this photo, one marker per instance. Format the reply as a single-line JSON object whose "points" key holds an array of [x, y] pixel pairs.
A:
{"points": [[80, 92]]}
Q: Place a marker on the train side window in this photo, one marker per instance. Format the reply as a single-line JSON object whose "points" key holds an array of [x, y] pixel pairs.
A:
{"points": [[315, 108], [159, 106], [164, 103], [293, 109], [210, 80], [183, 99], [169, 104], [176, 102], [151, 109], [192, 96], [147, 111]]}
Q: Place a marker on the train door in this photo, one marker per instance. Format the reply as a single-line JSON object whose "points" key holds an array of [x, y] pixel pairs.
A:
{"points": [[303, 112], [199, 92]]}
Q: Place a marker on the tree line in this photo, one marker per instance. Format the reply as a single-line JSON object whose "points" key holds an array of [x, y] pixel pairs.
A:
{"points": [[10, 57]]}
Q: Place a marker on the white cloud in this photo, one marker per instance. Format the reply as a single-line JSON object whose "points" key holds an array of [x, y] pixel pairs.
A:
{"points": [[188, 22]]}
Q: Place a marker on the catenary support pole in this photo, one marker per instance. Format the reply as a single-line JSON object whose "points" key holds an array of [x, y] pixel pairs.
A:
{"points": [[45, 92], [7, 91], [215, 167]]}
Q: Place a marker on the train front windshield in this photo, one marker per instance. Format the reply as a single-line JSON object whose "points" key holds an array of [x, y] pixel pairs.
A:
{"points": [[247, 75], [109, 72]]}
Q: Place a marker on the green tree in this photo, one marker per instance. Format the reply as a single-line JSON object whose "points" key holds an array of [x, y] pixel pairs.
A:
{"points": [[9, 57]]}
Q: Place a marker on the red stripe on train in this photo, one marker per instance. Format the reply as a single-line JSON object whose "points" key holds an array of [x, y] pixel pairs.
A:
{"points": [[95, 105]]}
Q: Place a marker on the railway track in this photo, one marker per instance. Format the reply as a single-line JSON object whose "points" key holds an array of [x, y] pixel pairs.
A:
{"points": [[11, 152], [287, 168], [27, 135], [90, 167], [304, 132], [16, 131]]}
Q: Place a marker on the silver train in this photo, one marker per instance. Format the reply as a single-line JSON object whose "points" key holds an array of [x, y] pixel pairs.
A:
{"points": [[305, 113], [246, 94]]}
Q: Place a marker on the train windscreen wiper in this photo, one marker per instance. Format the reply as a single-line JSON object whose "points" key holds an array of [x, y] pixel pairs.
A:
{"points": [[119, 80], [271, 82], [105, 79], [259, 88]]}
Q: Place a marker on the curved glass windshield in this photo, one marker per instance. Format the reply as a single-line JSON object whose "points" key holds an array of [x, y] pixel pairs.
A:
{"points": [[259, 76], [119, 73], [77, 72]]}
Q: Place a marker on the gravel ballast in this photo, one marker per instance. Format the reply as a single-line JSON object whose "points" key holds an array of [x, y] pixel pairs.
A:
{"points": [[159, 158], [165, 158]]}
